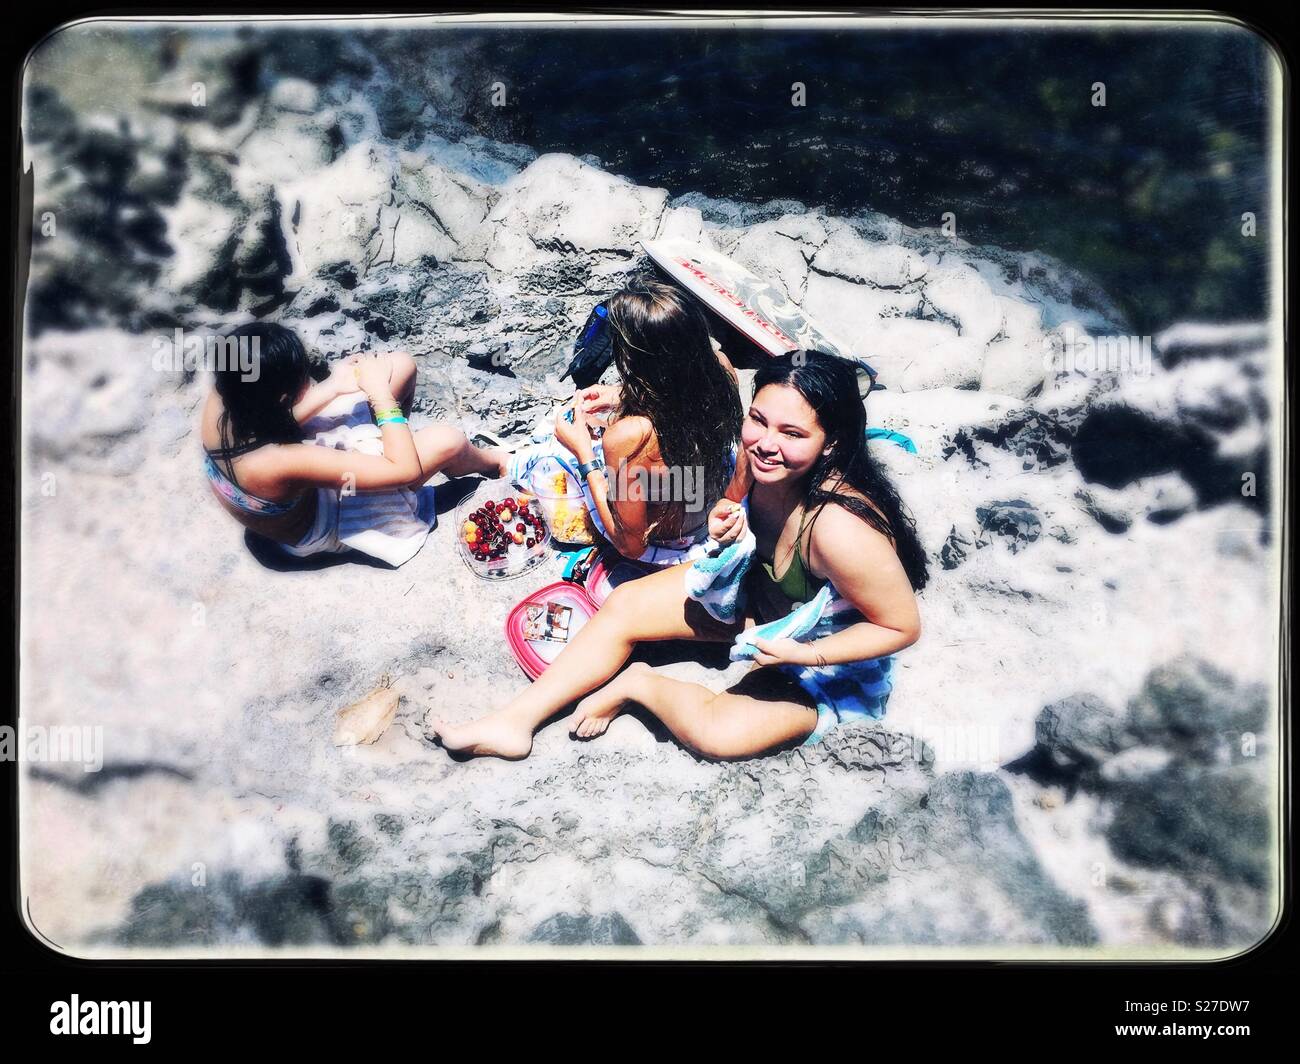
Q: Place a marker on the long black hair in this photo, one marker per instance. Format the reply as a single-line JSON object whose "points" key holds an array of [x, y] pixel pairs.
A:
{"points": [[672, 378], [258, 404], [830, 386]]}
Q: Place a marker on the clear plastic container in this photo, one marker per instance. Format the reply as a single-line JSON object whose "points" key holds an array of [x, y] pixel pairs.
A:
{"points": [[560, 496], [534, 655], [518, 558]]}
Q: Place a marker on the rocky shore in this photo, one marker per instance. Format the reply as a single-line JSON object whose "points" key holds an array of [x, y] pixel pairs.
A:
{"points": [[1081, 751]]}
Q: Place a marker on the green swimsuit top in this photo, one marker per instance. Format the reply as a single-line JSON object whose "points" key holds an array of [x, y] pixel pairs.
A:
{"points": [[798, 585]]}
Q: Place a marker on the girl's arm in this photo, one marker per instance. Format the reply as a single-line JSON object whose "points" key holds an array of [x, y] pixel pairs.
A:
{"points": [[742, 478], [725, 361], [305, 464], [627, 529], [626, 438], [862, 565], [341, 381], [298, 465]]}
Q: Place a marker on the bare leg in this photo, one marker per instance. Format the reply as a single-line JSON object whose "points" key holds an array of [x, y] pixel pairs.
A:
{"points": [[653, 607], [402, 377], [444, 449], [733, 724]]}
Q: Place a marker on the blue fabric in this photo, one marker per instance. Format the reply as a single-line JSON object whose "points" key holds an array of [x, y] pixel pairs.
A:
{"points": [[717, 578], [904, 442], [857, 690], [573, 557]]}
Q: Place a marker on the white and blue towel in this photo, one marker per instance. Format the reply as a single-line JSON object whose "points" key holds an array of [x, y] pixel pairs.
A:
{"points": [[391, 526], [716, 579], [853, 691]]}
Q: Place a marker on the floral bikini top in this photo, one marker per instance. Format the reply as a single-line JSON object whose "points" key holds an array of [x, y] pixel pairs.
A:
{"points": [[237, 496]]}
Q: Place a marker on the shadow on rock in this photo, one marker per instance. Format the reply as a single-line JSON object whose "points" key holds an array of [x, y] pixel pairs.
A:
{"points": [[1184, 774]]}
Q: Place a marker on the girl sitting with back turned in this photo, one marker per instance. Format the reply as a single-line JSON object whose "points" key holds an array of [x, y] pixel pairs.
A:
{"points": [[327, 467], [658, 450]]}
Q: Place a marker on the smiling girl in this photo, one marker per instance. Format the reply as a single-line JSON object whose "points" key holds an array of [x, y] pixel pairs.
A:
{"points": [[822, 514]]}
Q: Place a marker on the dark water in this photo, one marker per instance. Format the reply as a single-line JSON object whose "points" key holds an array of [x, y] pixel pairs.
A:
{"points": [[1145, 194]]}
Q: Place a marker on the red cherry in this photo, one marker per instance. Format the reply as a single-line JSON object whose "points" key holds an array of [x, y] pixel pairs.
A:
{"points": [[532, 542]]}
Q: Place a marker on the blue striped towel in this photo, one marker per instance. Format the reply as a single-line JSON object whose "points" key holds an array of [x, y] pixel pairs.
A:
{"points": [[844, 692]]}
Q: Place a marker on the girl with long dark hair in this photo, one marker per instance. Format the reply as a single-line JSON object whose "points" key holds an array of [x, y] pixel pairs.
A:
{"points": [[324, 467], [835, 547], [670, 429]]}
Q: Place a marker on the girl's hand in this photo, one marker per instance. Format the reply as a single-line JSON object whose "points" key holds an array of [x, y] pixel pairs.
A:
{"points": [[343, 376], [596, 400], [574, 435], [726, 521], [784, 652], [372, 374]]}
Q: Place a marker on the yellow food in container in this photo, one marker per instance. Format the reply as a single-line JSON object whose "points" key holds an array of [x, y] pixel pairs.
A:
{"points": [[566, 514]]}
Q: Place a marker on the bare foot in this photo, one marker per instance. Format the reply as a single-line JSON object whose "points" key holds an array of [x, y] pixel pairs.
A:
{"points": [[593, 713], [490, 736], [485, 456], [494, 462]]}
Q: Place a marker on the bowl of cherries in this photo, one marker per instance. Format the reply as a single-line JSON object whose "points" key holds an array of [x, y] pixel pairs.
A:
{"points": [[501, 531]]}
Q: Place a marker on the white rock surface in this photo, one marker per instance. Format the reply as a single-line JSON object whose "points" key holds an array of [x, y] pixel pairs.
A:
{"points": [[847, 255], [559, 204], [774, 256], [225, 818]]}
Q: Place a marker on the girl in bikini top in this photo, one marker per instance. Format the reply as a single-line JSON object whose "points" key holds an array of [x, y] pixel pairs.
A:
{"points": [[676, 414], [262, 393], [797, 583], [227, 489]]}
